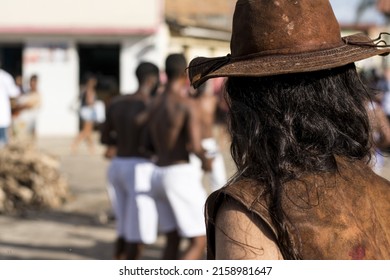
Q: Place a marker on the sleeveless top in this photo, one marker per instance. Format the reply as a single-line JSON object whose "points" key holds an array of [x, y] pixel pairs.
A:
{"points": [[333, 216]]}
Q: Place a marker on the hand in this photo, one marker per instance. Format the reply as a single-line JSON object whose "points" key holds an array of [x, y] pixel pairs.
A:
{"points": [[207, 164], [110, 152]]}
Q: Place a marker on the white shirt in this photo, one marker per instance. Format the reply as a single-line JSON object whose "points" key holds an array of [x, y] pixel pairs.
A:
{"points": [[8, 89]]}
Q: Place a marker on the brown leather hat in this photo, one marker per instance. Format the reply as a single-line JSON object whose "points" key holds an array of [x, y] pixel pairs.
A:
{"points": [[272, 37]]}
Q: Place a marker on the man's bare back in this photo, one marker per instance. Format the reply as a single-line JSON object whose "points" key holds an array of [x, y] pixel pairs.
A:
{"points": [[173, 128], [122, 128]]}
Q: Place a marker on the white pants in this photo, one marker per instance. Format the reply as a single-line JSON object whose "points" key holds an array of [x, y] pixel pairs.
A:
{"points": [[180, 199], [135, 209], [218, 171]]}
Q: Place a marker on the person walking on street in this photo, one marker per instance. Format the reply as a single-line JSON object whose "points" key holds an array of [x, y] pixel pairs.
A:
{"points": [[88, 116], [130, 170], [207, 104], [175, 132]]}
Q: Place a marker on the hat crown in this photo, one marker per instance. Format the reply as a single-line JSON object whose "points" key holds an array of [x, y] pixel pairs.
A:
{"points": [[283, 27]]}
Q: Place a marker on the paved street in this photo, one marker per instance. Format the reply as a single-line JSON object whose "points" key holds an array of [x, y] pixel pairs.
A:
{"points": [[77, 230]]}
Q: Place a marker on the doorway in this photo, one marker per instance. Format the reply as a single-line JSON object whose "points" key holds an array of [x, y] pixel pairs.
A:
{"points": [[101, 61], [11, 58]]}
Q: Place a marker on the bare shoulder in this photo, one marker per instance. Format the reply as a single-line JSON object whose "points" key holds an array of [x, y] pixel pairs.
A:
{"points": [[181, 106], [241, 236]]}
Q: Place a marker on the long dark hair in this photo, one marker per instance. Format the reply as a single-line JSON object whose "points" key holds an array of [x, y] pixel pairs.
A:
{"points": [[284, 126]]}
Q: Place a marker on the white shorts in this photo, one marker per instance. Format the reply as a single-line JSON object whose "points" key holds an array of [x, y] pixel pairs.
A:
{"points": [[217, 175], [87, 113], [180, 199], [135, 209]]}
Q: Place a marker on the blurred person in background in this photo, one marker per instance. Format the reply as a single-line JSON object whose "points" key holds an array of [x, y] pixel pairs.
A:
{"points": [[8, 89], [130, 170], [19, 83], [207, 104], [383, 99], [174, 132], [384, 86], [379, 122], [87, 115], [380, 132], [27, 106], [301, 139]]}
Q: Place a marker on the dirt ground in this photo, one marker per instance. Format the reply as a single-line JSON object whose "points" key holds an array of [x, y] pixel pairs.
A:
{"points": [[82, 228]]}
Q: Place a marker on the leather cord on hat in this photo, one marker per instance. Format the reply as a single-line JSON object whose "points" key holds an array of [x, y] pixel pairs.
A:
{"points": [[377, 42]]}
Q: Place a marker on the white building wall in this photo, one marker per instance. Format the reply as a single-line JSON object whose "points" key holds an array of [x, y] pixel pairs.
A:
{"points": [[141, 49], [51, 31], [57, 67], [56, 62], [101, 15]]}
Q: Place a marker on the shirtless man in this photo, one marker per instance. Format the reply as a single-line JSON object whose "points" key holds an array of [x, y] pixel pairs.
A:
{"points": [[207, 104], [175, 132], [130, 171]]}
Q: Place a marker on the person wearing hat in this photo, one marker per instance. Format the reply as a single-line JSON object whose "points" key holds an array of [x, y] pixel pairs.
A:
{"points": [[301, 139]]}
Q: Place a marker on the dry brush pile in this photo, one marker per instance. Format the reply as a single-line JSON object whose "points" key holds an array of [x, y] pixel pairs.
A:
{"points": [[30, 179]]}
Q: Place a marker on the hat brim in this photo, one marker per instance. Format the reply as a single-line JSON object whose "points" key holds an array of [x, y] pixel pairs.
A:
{"points": [[201, 69]]}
